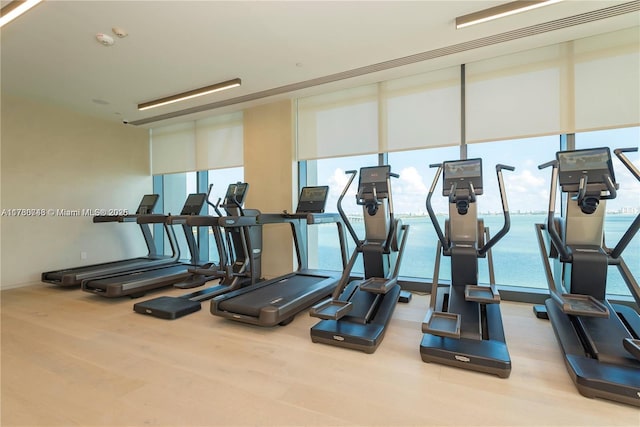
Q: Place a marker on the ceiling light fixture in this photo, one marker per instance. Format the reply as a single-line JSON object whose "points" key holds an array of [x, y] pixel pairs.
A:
{"points": [[500, 11], [14, 9], [190, 94]]}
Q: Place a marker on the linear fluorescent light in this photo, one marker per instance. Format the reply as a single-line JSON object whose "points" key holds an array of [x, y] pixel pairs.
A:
{"points": [[500, 11], [14, 9], [190, 94]]}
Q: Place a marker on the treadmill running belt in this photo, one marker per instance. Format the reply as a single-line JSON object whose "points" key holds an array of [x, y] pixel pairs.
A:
{"points": [[282, 292], [141, 275]]}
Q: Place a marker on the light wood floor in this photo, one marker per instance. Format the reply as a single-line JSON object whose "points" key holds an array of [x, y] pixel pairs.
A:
{"points": [[72, 358]]}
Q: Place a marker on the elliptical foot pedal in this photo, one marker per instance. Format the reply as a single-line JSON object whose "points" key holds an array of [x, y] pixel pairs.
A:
{"points": [[331, 309], [581, 305], [632, 346], [442, 324], [481, 294], [378, 285]]}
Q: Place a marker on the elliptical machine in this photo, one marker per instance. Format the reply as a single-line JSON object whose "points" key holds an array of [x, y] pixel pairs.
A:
{"points": [[359, 311], [599, 339], [463, 326]]}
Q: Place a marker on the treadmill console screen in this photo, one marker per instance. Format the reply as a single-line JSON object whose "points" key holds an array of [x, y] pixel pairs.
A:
{"points": [[595, 163], [147, 204], [313, 199], [237, 190], [194, 204], [462, 173]]}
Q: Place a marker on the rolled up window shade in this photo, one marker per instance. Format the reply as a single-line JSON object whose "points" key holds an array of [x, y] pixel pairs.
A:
{"points": [[421, 111], [342, 123], [219, 142], [173, 148], [211, 143]]}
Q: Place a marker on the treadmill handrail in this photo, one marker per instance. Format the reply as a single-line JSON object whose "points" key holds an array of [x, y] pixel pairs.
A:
{"points": [[152, 218]]}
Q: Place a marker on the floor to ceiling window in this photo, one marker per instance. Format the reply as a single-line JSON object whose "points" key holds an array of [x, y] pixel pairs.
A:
{"points": [[212, 146], [514, 109], [174, 189], [516, 257], [220, 179], [324, 252], [622, 210]]}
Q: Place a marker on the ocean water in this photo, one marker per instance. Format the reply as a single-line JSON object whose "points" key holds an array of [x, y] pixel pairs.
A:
{"points": [[516, 258]]}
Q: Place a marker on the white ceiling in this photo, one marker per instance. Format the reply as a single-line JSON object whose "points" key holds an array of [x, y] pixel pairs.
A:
{"points": [[51, 54]]}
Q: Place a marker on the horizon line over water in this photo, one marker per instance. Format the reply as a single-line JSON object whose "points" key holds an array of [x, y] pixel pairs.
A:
{"points": [[516, 257]]}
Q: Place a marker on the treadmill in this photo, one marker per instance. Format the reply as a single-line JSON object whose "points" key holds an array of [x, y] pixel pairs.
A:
{"points": [[75, 276], [239, 268], [137, 283], [277, 301]]}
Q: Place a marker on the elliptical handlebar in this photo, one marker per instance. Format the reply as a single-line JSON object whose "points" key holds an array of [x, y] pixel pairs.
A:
{"points": [[635, 225], [565, 256], [235, 201], [500, 166], [611, 188], [392, 228], [343, 215], [505, 209], [436, 225], [214, 206], [619, 152]]}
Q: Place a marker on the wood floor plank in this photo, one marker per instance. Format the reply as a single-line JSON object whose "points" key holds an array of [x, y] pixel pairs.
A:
{"points": [[72, 358]]}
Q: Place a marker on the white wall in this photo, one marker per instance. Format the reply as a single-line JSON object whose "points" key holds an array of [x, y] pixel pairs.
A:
{"points": [[57, 159]]}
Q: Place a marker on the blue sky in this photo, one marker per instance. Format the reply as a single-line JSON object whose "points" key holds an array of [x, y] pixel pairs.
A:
{"points": [[527, 187]]}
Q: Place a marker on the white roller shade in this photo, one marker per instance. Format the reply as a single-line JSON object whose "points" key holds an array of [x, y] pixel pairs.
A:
{"points": [[586, 84], [607, 80], [173, 148], [211, 143], [219, 142], [422, 111], [342, 123], [515, 96]]}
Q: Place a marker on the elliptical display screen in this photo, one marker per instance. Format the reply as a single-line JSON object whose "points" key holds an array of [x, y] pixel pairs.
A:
{"points": [[461, 173], [370, 177], [594, 163], [374, 174]]}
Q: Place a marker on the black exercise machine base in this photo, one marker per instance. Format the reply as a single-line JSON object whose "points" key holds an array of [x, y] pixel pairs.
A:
{"points": [[167, 307], [595, 378], [488, 356], [353, 331], [349, 335]]}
